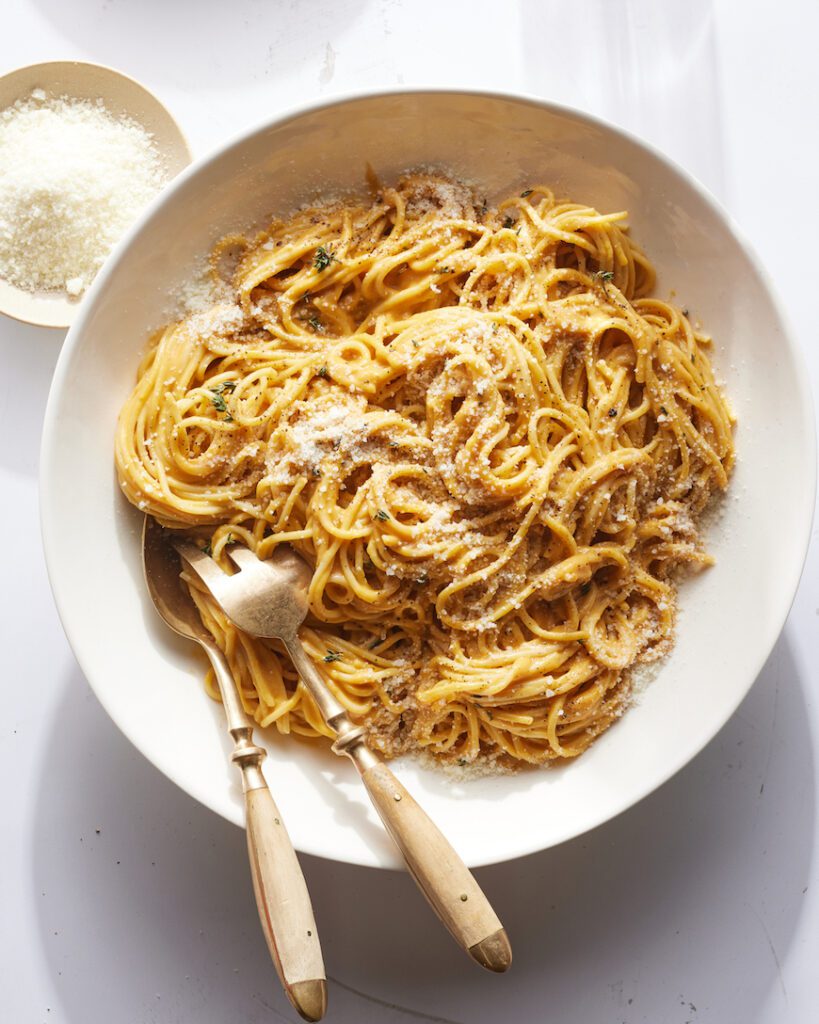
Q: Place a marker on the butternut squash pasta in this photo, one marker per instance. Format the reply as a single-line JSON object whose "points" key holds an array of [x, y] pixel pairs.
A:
{"points": [[482, 431]]}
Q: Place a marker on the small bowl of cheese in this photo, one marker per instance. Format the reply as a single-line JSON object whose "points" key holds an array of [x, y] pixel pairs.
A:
{"points": [[83, 149]]}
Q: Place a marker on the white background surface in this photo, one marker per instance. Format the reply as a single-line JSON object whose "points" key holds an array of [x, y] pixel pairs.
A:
{"points": [[122, 900]]}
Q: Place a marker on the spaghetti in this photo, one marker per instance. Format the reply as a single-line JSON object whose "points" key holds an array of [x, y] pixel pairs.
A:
{"points": [[476, 424]]}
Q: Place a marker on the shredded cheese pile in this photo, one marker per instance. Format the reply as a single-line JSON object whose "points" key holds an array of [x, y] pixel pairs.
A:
{"points": [[72, 178]]}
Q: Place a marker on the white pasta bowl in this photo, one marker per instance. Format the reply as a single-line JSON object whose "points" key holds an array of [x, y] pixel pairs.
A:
{"points": [[731, 615]]}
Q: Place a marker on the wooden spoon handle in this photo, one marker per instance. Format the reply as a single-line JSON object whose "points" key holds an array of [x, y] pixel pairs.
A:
{"points": [[282, 899], [441, 875], [284, 906]]}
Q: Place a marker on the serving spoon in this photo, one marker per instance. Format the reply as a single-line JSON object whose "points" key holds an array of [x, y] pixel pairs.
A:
{"points": [[282, 898], [268, 598]]}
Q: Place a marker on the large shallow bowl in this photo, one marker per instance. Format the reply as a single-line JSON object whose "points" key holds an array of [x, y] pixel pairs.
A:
{"points": [[731, 615]]}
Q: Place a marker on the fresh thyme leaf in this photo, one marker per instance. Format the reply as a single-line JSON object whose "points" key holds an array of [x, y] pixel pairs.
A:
{"points": [[316, 324], [323, 372], [612, 412], [382, 515], [604, 275], [445, 270], [526, 192], [508, 221], [228, 418], [208, 550], [225, 385], [462, 762], [217, 400], [393, 444], [322, 258], [332, 656], [231, 539]]}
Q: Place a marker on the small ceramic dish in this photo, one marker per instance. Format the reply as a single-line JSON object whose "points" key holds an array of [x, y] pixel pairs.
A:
{"points": [[121, 96]]}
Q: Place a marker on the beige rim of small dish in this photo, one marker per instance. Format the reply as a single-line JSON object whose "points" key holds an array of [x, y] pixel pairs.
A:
{"points": [[121, 96]]}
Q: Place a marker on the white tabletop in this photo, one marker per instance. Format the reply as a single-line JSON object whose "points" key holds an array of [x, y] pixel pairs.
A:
{"points": [[122, 900]]}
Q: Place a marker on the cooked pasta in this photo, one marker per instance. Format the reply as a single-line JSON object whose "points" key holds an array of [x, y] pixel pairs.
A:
{"points": [[477, 425]]}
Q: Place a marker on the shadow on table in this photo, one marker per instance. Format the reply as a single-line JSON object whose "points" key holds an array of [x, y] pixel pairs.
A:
{"points": [[205, 44], [28, 355], [689, 899]]}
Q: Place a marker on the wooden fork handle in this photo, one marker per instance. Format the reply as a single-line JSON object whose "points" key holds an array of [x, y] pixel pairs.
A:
{"points": [[440, 873]]}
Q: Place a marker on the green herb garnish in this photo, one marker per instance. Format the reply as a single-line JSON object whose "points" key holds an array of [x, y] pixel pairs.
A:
{"points": [[218, 401], [332, 656], [526, 192], [323, 372], [612, 412], [208, 550], [382, 515], [217, 397], [322, 258], [375, 643], [316, 324], [604, 276], [508, 221], [393, 444]]}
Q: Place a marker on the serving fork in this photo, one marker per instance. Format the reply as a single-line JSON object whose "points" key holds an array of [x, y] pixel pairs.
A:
{"points": [[268, 598]]}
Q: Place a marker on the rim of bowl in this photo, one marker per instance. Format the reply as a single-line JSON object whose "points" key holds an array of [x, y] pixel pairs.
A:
{"points": [[806, 512], [74, 310]]}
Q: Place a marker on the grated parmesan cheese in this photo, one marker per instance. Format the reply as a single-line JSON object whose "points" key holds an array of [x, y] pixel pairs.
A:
{"points": [[72, 178]]}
